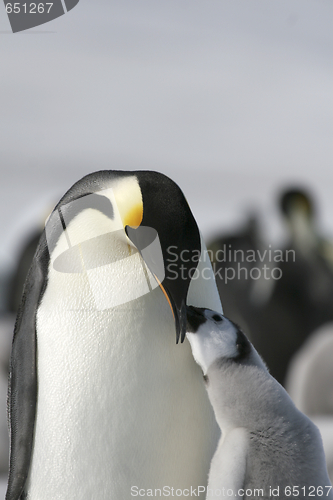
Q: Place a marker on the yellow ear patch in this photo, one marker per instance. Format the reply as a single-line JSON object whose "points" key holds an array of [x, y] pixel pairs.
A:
{"points": [[128, 200], [134, 216]]}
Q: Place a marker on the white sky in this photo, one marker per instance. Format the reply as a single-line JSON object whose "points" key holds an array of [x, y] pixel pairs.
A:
{"points": [[230, 98]]}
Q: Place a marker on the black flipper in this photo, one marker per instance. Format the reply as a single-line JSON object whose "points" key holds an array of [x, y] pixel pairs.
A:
{"points": [[22, 392]]}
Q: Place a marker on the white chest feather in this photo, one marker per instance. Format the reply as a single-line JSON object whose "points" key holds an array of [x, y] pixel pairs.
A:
{"points": [[228, 467], [119, 403]]}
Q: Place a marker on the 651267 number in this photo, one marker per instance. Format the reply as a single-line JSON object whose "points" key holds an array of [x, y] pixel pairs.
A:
{"points": [[28, 8]]}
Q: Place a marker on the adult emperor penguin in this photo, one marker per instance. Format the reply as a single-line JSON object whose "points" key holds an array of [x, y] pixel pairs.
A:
{"points": [[268, 448], [102, 403]]}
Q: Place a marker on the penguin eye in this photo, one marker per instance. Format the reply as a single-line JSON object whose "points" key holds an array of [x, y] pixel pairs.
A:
{"points": [[217, 318], [243, 346]]}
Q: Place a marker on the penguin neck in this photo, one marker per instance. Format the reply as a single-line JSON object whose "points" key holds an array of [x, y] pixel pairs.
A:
{"points": [[239, 393], [303, 234]]}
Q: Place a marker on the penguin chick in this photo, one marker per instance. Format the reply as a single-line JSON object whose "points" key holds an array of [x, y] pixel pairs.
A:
{"points": [[268, 448]]}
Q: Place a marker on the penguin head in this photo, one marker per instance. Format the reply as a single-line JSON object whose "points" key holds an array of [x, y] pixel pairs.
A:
{"points": [[140, 212], [296, 200], [213, 337], [299, 211], [298, 208]]}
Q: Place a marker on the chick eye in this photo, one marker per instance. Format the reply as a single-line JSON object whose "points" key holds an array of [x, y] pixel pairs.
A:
{"points": [[217, 317]]}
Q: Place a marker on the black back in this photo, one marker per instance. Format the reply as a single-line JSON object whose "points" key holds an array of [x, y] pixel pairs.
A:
{"points": [[22, 393]]}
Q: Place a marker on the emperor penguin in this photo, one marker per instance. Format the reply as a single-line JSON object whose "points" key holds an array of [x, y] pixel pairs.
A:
{"points": [[268, 448], [102, 402]]}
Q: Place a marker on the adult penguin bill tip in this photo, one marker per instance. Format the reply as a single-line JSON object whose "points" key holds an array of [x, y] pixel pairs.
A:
{"points": [[96, 302]]}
